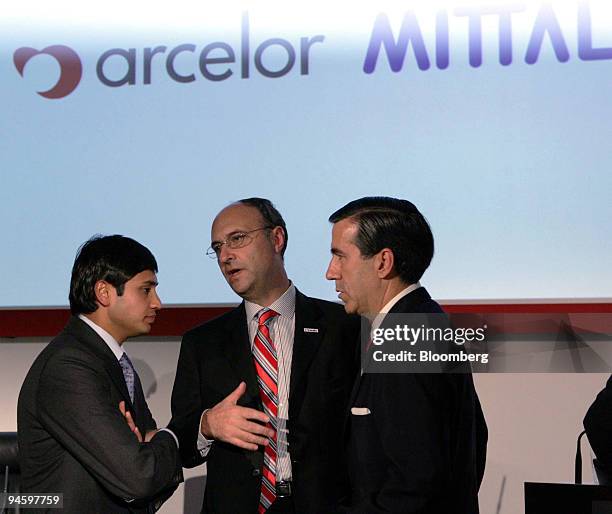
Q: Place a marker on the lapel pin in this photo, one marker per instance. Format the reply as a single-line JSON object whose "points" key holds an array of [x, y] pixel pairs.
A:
{"points": [[311, 330]]}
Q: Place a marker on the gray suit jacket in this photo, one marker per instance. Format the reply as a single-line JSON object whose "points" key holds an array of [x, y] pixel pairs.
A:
{"points": [[73, 439]]}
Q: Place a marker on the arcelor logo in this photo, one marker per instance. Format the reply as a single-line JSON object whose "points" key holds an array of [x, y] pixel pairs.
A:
{"points": [[245, 57], [71, 69]]}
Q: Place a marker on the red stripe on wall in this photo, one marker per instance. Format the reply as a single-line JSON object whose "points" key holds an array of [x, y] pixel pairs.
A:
{"points": [[170, 321], [174, 321]]}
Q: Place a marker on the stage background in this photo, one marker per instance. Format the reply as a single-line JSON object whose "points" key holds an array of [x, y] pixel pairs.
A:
{"points": [[509, 162]]}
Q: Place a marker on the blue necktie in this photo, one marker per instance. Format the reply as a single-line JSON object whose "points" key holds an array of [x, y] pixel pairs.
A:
{"points": [[128, 374]]}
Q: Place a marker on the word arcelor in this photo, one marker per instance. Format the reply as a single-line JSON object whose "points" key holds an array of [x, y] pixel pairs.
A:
{"points": [[214, 60], [546, 24]]}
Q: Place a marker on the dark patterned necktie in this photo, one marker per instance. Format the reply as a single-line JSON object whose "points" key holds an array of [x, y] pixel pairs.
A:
{"points": [[128, 374], [266, 364]]}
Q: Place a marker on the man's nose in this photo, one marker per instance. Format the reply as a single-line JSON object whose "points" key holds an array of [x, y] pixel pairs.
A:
{"points": [[331, 273], [225, 254], [156, 301]]}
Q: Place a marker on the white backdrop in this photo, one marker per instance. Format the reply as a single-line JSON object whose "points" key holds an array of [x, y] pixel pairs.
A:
{"points": [[509, 162]]}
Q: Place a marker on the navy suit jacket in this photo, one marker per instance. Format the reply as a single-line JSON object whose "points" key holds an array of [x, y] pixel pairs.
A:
{"points": [[216, 356], [422, 448]]}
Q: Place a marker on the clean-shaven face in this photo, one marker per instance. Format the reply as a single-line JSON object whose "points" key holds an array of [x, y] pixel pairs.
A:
{"points": [[355, 275], [133, 313], [246, 269]]}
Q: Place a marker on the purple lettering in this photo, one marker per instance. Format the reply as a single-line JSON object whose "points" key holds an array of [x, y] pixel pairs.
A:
{"points": [[546, 21], [382, 35]]}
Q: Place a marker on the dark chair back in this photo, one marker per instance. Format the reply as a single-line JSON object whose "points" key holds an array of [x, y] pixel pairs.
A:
{"points": [[9, 465]]}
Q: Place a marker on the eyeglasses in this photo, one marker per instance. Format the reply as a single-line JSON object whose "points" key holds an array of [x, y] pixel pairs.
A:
{"points": [[235, 240]]}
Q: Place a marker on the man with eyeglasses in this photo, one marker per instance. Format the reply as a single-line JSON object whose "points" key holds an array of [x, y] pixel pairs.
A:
{"points": [[261, 391]]}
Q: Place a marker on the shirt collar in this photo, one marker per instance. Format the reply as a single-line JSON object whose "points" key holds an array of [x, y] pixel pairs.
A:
{"points": [[106, 337], [284, 304], [389, 305]]}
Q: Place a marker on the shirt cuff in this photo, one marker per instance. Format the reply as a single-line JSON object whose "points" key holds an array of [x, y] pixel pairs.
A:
{"points": [[203, 443], [172, 434]]}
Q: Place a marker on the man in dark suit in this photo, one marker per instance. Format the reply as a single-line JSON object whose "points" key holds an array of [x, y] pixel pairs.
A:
{"points": [[260, 391], [598, 426], [416, 441], [82, 414]]}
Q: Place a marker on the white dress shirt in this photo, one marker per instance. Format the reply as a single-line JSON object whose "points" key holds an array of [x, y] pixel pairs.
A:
{"points": [[282, 330], [378, 319]]}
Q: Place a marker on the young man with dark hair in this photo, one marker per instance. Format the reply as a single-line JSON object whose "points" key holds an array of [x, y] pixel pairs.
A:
{"points": [[416, 441], [82, 414], [260, 392]]}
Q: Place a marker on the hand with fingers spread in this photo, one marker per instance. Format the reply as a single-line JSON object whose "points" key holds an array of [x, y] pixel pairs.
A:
{"points": [[241, 426]]}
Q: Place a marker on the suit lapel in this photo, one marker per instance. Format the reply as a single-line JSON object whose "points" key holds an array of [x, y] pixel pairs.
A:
{"points": [[408, 303], [363, 347], [139, 404], [358, 379], [309, 332], [238, 350], [90, 339], [116, 374]]}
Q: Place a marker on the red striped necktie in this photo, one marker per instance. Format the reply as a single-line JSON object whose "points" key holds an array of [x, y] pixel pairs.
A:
{"points": [[266, 364]]}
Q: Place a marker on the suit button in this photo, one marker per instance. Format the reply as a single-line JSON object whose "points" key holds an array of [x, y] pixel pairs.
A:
{"points": [[256, 472]]}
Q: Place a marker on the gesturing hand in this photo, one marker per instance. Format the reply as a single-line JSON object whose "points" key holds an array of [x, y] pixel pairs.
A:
{"points": [[241, 426]]}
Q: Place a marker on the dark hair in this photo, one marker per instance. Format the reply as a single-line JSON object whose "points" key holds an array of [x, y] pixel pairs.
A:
{"points": [[269, 214], [385, 222], [115, 259]]}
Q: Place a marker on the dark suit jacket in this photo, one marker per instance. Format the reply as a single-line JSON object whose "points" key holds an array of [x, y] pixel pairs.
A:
{"points": [[598, 426], [216, 357], [422, 448], [73, 439]]}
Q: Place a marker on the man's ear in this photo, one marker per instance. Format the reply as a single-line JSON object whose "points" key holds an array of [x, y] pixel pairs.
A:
{"points": [[278, 238], [385, 261], [102, 290]]}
